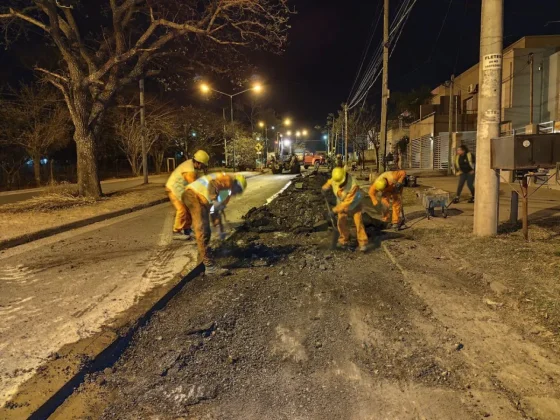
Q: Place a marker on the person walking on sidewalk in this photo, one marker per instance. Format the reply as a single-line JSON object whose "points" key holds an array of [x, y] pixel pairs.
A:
{"points": [[199, 198], [348, 196], [390, 184], [464, 169], [183, 175]]}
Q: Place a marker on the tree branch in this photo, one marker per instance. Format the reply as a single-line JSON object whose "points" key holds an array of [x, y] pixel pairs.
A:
{"points": [[15, 14]]}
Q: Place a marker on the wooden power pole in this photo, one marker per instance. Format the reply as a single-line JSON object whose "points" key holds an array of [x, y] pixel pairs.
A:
{"points": [[487, 182], [385, 87], [531, 87], [143, 130]]}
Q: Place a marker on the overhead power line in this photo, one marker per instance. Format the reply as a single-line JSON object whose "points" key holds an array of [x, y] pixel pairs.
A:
{"points": [[373, 70]]}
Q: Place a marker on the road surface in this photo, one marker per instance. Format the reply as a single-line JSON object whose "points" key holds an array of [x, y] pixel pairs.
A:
{"points": [[65, 288], [108, 187]]}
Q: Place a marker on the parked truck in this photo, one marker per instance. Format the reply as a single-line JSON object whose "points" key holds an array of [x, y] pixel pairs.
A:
{"points": [[313, 159]]}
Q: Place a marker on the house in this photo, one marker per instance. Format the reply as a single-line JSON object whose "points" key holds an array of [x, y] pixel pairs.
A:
{"points": [[535, 58]]}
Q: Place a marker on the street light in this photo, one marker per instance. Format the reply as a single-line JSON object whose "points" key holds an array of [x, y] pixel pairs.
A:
{"points": [[304, 132], [257, 88], [298, 133], [287, 122], [289, 133]]}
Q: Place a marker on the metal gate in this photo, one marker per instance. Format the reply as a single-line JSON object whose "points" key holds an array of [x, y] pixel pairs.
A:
{"points": [[441, 150]]}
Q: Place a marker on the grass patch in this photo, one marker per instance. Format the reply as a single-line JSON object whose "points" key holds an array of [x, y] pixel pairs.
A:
{"points": [[54, 197]]}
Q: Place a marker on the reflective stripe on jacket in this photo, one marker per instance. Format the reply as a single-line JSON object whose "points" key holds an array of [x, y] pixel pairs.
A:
{"points": [[177, 182]]}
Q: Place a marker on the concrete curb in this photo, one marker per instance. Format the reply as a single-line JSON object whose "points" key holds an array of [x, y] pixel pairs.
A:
{"points": [[23, 239]]}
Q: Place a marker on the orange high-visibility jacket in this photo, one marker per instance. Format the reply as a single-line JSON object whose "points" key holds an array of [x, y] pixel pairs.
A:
{"points": [[392, 178], [209, 186], [348, 196]]}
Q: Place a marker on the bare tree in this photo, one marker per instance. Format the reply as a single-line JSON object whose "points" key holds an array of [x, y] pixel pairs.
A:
{"points": [[133, 40], [12, 158], [37, 120], [162, 125], [202, 129]]}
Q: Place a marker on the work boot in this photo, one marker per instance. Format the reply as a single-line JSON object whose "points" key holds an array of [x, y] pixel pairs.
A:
{"points": [[471, 200], [363, 248], [188, 234], [179, 236], [343, 247], [396, 227], [455, 200], [214, 270]]}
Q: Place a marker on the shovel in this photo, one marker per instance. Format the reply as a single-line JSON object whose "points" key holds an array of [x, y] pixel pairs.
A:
{"points": [[334, 238]]}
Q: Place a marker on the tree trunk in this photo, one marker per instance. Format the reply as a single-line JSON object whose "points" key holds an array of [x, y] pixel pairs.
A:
{"points": [[37, 168], [158, 161], [88, 177]]}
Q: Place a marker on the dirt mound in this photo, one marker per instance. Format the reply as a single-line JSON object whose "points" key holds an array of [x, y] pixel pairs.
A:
{"points": [[300, 208]]}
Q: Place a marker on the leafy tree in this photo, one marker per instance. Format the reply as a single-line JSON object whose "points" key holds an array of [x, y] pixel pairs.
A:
{"points": [[406, 105], [105, 45], [37, 120]]}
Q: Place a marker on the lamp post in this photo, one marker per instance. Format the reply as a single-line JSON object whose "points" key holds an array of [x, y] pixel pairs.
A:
{"points": [[257, 88]]}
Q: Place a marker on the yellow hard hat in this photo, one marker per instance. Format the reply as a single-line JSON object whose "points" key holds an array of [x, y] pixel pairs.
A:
{"points": [[242, 181], [380, 184], [338, 175], [202, 157]]}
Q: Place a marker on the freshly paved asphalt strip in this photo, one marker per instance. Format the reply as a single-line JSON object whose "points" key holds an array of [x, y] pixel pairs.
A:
{"points": [[65, 288]]}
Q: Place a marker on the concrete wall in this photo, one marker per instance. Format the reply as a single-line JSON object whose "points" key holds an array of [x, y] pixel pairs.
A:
{"points": [[552, 98]]}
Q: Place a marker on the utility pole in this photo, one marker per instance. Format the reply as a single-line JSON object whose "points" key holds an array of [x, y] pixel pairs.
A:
{"points": [[487, 182], [232, 129], [346, 134], [531, 87], [143, 130], [385, 86], [225, 136], [450, 145]]}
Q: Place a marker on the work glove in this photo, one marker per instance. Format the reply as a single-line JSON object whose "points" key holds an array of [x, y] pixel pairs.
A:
{"points": [[398, 187]]}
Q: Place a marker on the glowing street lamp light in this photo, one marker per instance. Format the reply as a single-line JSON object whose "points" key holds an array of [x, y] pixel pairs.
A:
{"points": [[298, 133], [287, 142], [304, 132], [261, 124], [257, 88], [289, 133], [287, 122]]}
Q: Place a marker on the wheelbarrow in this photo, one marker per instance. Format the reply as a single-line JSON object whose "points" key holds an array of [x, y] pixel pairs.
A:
{"points": [[434, 198]]}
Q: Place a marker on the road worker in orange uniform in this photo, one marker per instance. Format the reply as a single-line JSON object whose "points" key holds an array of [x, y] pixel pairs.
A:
{"points": [[183, 175], [390, 184], [348, 196], [202, 196]]}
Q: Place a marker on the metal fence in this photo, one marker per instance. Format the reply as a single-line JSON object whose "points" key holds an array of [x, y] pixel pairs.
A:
{"points": [[432, 153]]}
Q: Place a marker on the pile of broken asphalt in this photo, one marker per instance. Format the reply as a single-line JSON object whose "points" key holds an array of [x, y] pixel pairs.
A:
{"points": [[301, 208]]}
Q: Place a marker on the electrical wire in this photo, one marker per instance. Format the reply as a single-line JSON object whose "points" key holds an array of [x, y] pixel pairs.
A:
{"points": [[373, 71]]}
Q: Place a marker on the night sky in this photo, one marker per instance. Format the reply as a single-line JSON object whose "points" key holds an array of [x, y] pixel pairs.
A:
{"points": [[328, 37], [326, 42]]}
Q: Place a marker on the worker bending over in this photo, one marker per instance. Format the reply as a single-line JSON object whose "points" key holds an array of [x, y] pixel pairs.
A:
{"points": [[199, 197], [348, 196], [390, 184], [183, 175]]}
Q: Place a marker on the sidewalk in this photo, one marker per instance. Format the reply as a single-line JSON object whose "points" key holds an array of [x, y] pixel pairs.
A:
{"points": [[24, 225], [543, 203]]}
